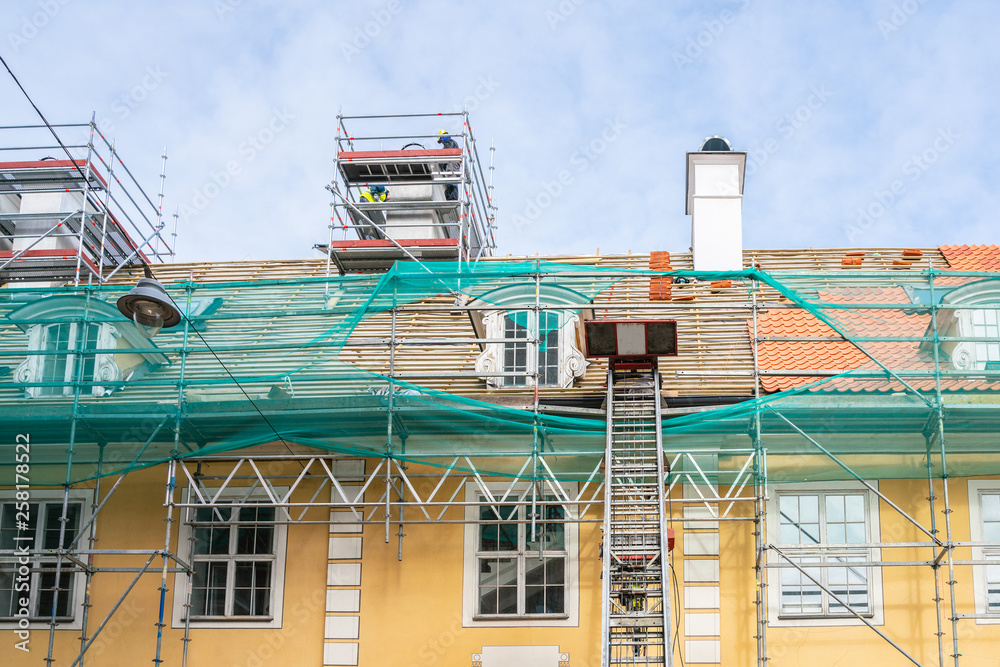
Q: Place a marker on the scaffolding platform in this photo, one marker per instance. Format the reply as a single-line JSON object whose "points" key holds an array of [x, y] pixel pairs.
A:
{"points": [[435, 202], [377, 255], [397, 166], [72, 220]]}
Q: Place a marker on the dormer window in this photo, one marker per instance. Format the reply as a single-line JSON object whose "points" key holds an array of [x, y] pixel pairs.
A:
{"points": [[974, 313], [544, 344], [986, 324], [518, 357], [59, 366], [74, 338]]}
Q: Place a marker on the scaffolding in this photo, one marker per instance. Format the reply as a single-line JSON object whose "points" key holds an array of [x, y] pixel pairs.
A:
{"points": [[256, 375], [438, 202], [69, 212]]}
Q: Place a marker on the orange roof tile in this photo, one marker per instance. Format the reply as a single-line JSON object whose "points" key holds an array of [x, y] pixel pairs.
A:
{"points": [[829, 355], [972, 257]]}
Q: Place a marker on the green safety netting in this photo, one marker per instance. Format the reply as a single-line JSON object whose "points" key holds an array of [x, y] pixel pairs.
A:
{"points": [[302, 364]]}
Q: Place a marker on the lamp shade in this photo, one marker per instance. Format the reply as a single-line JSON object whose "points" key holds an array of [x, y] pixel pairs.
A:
{"points": [[149, 304]]}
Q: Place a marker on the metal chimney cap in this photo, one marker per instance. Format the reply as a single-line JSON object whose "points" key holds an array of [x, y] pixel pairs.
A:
{"points": [[715, 144]]}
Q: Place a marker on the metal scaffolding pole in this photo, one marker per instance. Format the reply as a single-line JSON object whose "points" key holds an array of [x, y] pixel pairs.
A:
{"points": [[91, 540], [949, 546], [934, 552], [81, 335], [760, 506], [86, 200]]}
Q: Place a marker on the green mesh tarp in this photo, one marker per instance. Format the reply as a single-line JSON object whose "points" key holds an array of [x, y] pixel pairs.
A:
{"points": [[307, 365]]}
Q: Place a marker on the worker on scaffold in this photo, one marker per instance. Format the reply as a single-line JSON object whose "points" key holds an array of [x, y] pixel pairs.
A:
{"points": [[450, 190], [375, 193]]}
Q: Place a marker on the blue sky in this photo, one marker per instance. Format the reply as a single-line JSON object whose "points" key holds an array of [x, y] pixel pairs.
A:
{"points": [[867, 122]]}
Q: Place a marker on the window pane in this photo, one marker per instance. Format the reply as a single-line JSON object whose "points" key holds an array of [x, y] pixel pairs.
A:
{"points": [[90, 358], [498, 536], [487, 599], [990, 506], [809, 509], [53, 512], [855, 507], [993, 586], [9, 524], [850, 584], [855, 533], [46, 592], [7, 596], [507, 600], [799, 595], [788, 506], [497, 585], [835, 509], [534, 571], [208, 589], [252, 588], [799, 519]]}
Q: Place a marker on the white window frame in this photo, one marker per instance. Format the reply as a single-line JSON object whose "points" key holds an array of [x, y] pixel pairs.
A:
{"points": [[521, 494], [33, 368], [977, 487], [572, 363], [182, 581], [873, 534], [533, 351], [84, 497]]}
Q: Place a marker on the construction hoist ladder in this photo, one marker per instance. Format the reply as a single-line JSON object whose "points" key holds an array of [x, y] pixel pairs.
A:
{"points": [[636, 616]]}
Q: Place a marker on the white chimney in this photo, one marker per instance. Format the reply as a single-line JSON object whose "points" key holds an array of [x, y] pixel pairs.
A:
{"points": [[715, 204]]}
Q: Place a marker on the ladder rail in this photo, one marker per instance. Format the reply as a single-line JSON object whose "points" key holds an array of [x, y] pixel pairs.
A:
{"points": [[606, 527], [636, 605]]}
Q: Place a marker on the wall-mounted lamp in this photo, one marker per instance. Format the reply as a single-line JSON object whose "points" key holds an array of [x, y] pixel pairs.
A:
{"points": [[150, 307]]}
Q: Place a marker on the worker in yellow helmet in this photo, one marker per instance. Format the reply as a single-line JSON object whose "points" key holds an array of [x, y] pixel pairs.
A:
{"points": [[445, 140], [450, 190], [375, 193]]}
